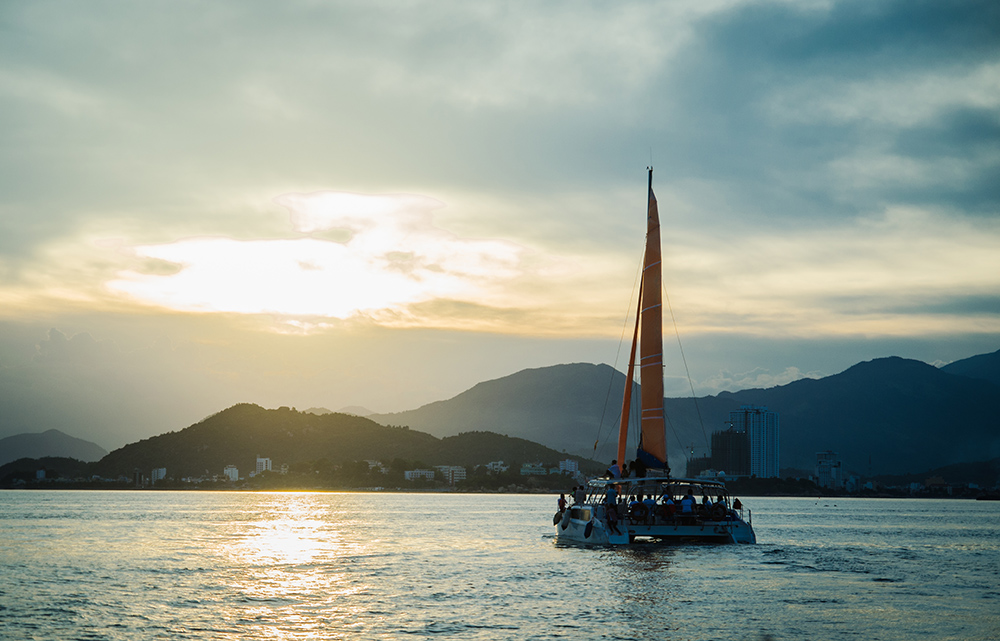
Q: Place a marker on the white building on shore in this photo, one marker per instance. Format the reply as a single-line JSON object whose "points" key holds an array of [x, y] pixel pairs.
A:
{"points": [[451, 473]]}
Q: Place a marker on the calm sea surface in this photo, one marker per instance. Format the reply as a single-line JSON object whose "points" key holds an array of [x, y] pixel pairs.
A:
{"points": [[192, 565]]}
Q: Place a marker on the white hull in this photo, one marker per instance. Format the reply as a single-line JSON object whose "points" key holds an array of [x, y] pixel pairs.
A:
{"points": [[597, 532]]}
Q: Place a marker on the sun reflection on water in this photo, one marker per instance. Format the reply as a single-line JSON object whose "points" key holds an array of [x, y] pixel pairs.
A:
{"points": [[291, 557]]}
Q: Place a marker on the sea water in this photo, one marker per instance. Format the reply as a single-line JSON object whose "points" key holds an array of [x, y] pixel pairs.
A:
{"points": [[199, 565]]}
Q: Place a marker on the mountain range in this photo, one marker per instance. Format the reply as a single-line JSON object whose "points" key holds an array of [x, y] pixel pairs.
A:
{"points": [[48, 443], [885, 416]]}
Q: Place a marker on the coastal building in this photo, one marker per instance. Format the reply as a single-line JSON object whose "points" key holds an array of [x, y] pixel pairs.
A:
{"points": [[497, 467], [451, 473], [731, 452], [829, 471], [761, 428], [231, 472], [413, 475], [263, 465], [534, 469], [569, 466], [730, 456], [158, 474]]}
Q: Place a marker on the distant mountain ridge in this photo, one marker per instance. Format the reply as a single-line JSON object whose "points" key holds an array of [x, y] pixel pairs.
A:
{"points": [[50, 443], [560, 406], [984, 366], [885, 416], [902, 415]]}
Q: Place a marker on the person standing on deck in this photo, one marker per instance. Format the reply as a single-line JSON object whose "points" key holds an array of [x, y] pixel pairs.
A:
{"points": [[611, 510], [687, 504]]}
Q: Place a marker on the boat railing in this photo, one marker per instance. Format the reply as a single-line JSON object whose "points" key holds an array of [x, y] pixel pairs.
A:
{"points": [[597, 498]]}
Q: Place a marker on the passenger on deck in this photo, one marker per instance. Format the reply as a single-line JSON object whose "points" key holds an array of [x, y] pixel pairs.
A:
{"points": [[611, 511], [611, 497], [650, 504], [614, 472], [669, 507], [687, 504], [737, 505], [625, 471], [637, 510], [638, 468], [580, 495], [562, 503]]}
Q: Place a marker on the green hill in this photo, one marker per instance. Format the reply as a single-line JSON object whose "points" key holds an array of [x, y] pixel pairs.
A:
{"points": [[238, 435], [56, 467]]}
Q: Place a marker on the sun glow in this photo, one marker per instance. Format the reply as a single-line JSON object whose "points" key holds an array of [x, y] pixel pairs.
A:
{"points": [[392, 257]]}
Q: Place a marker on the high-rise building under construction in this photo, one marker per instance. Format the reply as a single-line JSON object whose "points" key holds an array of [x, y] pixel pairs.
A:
{"points": [[761, 429]]}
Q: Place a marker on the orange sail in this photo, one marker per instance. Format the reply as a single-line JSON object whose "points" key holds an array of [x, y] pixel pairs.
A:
{"points": [[653, 439]]}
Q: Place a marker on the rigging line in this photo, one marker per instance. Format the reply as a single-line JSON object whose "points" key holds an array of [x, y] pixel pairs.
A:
{"points": [[611, 381], [676, 435], [680, 347]]}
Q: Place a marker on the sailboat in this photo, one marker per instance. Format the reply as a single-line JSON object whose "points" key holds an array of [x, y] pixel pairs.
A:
{"points": [[651, 505]]}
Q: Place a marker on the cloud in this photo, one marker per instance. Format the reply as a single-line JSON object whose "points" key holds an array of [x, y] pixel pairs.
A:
{"points": [[758, 378], [50, 91], [788, 138], [880, 274], [80, 348], [392, 256]]}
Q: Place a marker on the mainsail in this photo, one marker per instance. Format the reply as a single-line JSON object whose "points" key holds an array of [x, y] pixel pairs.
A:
{"points": [[649, 332]]}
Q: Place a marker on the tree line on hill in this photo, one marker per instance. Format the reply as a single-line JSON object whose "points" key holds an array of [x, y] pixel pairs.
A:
{"points": [[313, 451]]}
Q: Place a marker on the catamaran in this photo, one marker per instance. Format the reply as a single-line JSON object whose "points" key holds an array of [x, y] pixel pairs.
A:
{"points": [[651, 505]]}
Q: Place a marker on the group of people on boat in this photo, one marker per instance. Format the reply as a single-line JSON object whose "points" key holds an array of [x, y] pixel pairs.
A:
{"points": [[646, 508], [623, 471]]}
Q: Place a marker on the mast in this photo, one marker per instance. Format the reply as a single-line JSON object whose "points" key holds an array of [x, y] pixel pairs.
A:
{"points": [[627, 397], [653, 439]]}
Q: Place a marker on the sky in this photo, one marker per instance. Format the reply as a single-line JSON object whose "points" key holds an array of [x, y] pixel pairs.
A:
{"points": [[381, 204]]}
